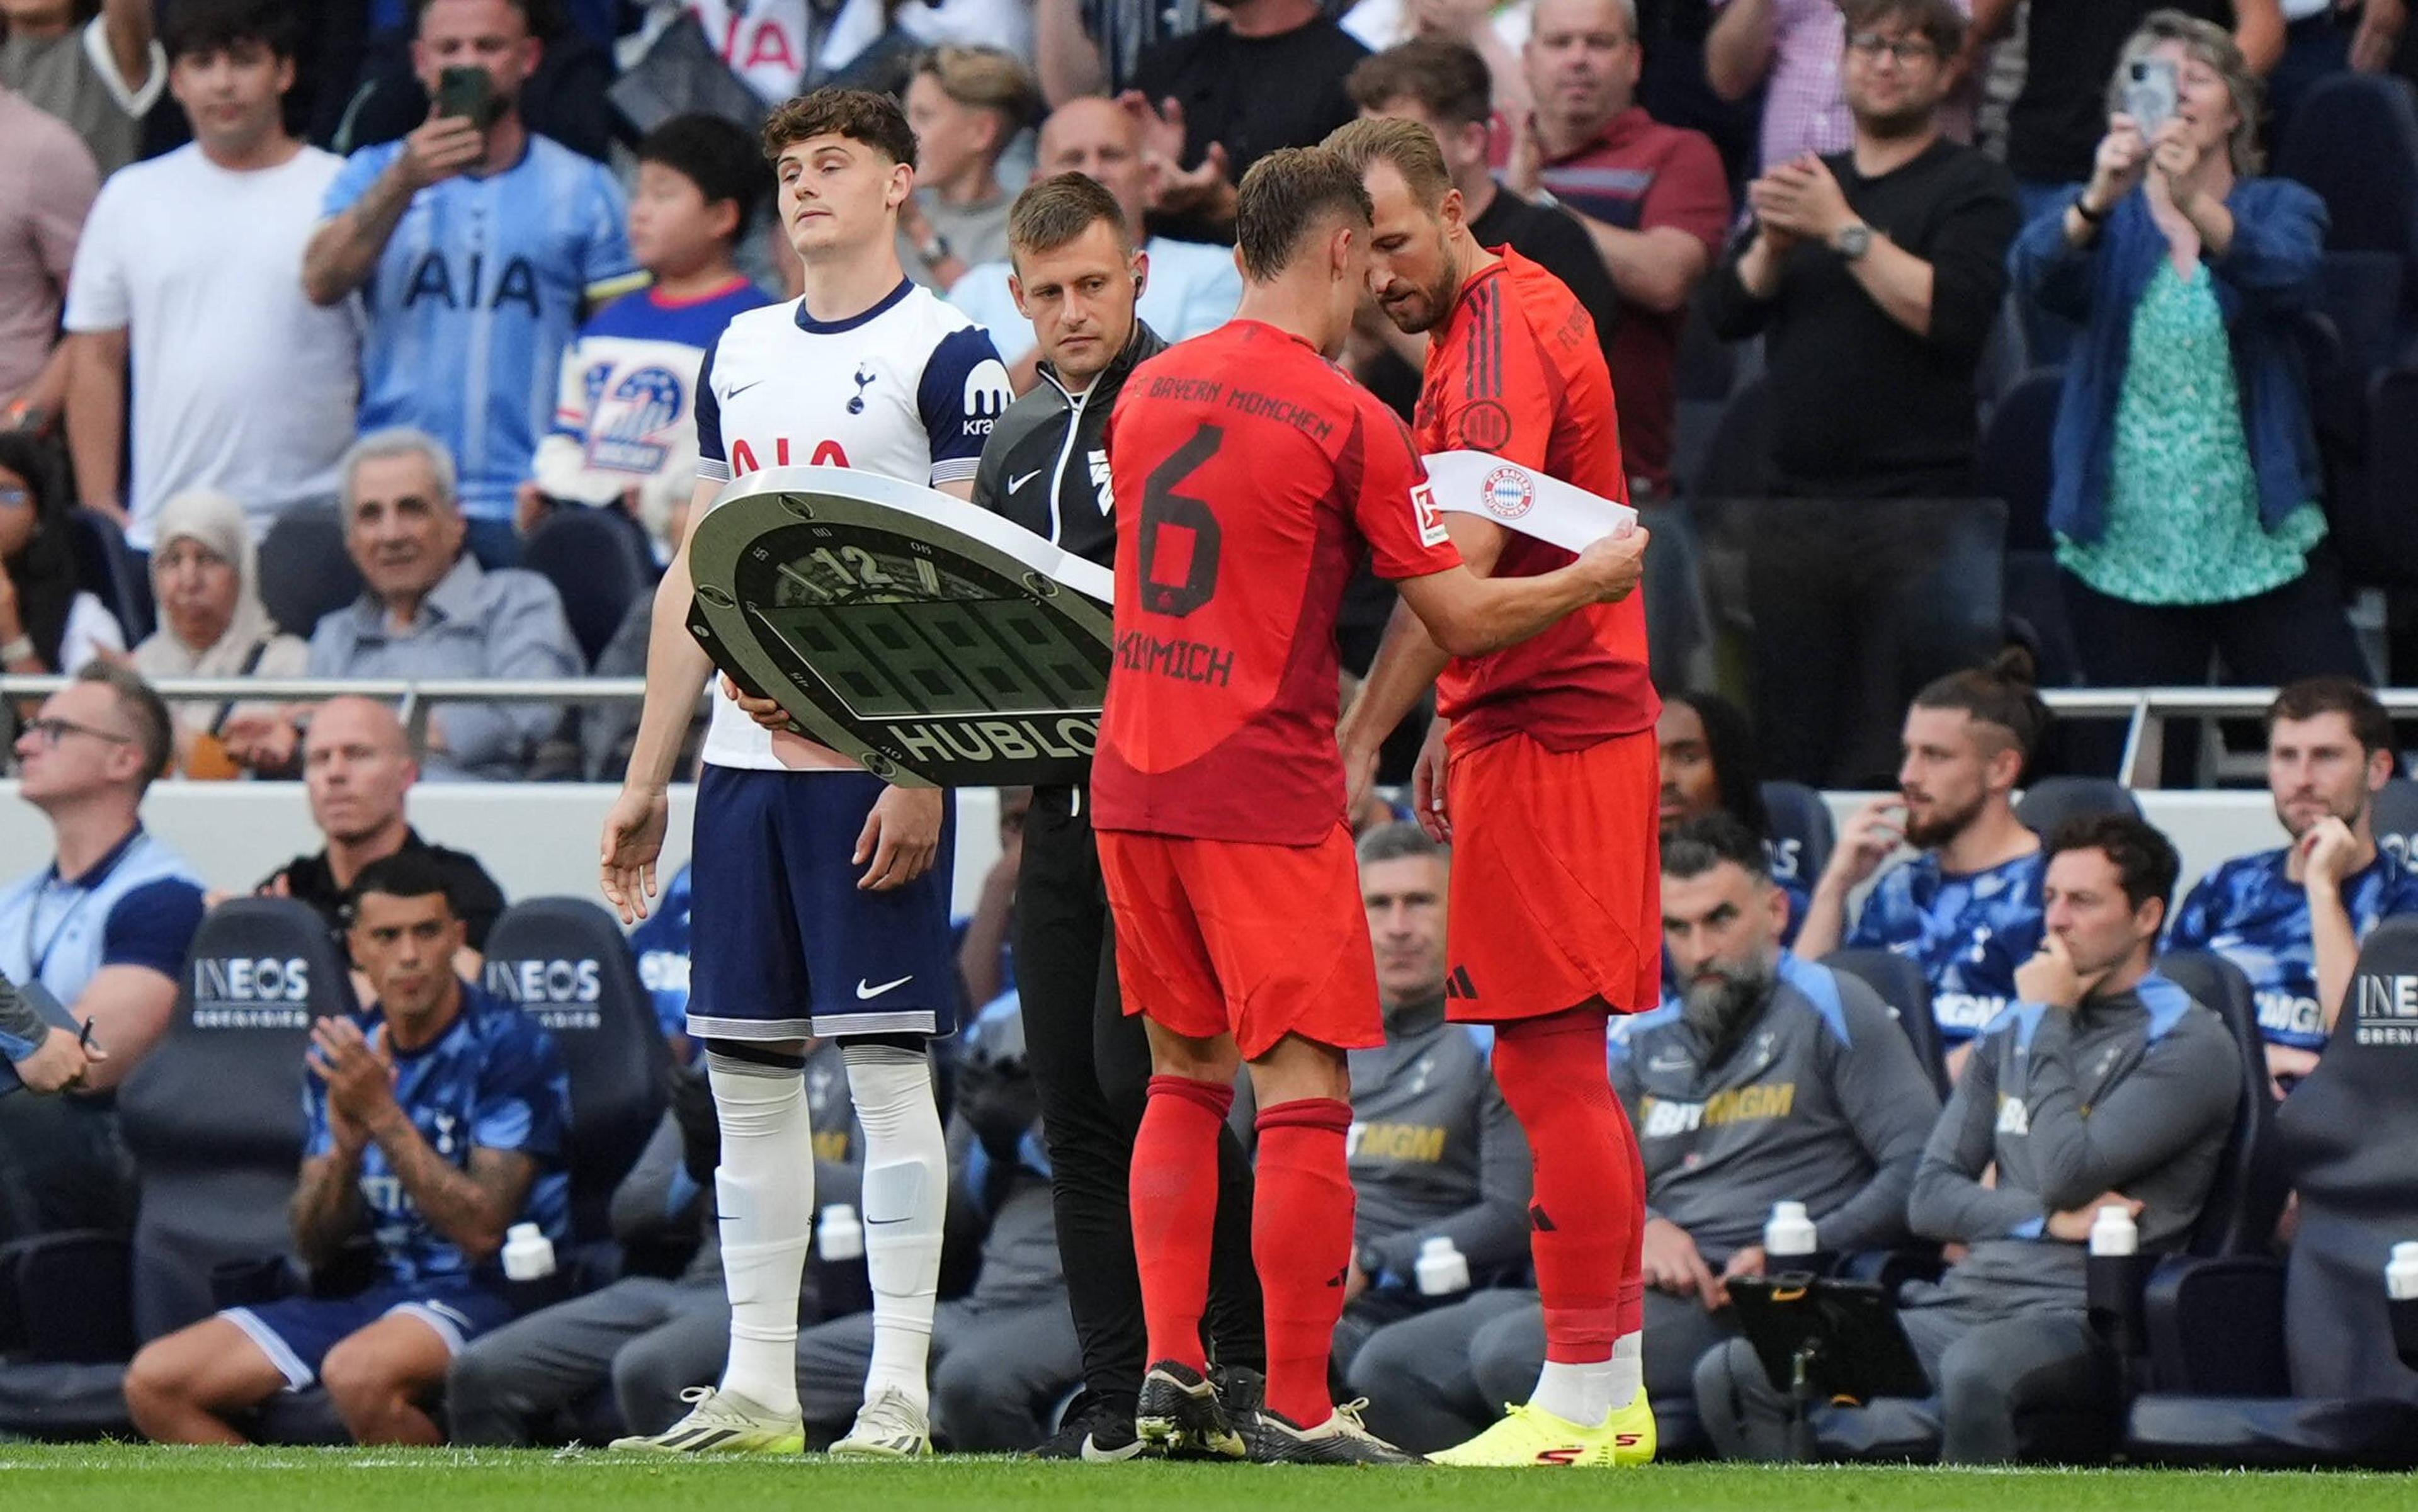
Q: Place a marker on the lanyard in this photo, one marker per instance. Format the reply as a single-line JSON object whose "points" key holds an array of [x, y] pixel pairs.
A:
{"points": [[35, 961]]}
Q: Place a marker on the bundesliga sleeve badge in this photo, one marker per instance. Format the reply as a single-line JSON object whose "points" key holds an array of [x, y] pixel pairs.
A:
{"points": [[1523, 499], [930, 641]]}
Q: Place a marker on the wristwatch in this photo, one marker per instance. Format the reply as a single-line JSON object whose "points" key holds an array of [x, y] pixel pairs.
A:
{"points": [[934, 252], [1852, 241]]}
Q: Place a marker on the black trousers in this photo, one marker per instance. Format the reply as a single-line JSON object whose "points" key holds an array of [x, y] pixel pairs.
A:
{"points": [[2281, 636], [1091, 1064]]}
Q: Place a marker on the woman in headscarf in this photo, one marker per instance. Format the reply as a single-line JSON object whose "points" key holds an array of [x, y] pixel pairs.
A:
{"points": [[46, 625], [205, 577]]}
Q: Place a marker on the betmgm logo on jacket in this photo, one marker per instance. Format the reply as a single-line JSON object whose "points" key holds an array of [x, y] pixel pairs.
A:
{"points": [[251, 992], [559, 994], [1665, 1119], [2386, 1008]]}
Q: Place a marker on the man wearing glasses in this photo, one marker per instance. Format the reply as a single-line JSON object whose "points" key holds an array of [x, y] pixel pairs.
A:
{"points": [[104, 924]]}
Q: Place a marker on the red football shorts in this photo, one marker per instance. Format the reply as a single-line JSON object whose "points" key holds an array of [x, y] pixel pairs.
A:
{"points": [[1556, 878], [1218, 937]]}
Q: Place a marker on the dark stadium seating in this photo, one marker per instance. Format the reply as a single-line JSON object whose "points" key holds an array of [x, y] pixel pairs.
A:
{"points": [[2255, 1362], [107, 569], [305, 572], [213, 1117], [595, 562], [2053, 801], [2246, 1200], [565, 961], [1901, 984], [1803, 832], [2395, 819], [2354, 139]]}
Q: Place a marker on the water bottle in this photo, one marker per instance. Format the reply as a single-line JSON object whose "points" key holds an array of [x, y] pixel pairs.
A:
{"points": [[1442, 1268], [2113, 1232], [1788, 1236], [842, 1285], [2401, 1271], [840, 1235], [529, 1254], [2113, 1278], [2401, 1300]]}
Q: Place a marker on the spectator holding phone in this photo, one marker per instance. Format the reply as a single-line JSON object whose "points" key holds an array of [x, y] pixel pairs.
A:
{"points": [[477, 245], [2185, 465]]}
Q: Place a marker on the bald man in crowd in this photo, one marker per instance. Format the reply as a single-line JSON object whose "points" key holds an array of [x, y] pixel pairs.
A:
{"points": [[1188, 288], [359, 769]]}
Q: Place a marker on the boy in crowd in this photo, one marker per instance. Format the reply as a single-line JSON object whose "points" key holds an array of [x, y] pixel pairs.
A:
{"points": [[628, 391]]}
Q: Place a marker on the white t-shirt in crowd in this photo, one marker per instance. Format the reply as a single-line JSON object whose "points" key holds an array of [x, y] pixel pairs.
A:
{"points": [[239, 383]]}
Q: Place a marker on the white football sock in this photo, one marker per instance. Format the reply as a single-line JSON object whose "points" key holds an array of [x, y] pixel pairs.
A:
{"points": [[764, 1190], [1627, 1377], [906, 1200], [1562, 1390]]}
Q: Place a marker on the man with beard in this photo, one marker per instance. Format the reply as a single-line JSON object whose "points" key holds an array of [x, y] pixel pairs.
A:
{"points": [[1768, 1080], [1875, 276], [2105, 1085], [2293, 918], [1966, 910], [1546, 779]]}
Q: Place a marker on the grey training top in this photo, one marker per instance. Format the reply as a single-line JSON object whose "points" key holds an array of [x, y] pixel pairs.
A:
{"points": [[1823, 1102], [1435, 1150], [2134, 1092]]}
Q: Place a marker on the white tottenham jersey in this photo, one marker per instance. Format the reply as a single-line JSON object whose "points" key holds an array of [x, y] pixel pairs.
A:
{"points": [[909, 389]]}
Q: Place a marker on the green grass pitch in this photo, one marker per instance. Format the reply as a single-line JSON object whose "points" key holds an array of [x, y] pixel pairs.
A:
{"points": [[39, 1478]]}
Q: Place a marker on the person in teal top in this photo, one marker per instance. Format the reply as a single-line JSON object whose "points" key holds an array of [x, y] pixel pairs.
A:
{"points": [[2185, 471]]}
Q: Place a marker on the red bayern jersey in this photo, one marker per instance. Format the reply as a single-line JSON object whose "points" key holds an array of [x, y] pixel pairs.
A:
{"points": [[1516, 370], [1252, 473]]}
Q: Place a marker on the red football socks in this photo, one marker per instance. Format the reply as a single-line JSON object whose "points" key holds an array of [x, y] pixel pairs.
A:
{"points": [[1301, 1242], [1174, 1185], [1587, 1213]]}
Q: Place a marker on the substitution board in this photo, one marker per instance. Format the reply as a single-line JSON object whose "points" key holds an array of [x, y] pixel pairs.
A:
{"points": [[932, 642]]}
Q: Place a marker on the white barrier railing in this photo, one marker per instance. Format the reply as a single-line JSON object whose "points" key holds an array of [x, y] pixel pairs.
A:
{"points": [[2145, 710]]}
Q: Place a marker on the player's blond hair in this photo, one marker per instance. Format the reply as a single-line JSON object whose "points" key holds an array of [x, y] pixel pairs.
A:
{"points": [[1408, 146]]}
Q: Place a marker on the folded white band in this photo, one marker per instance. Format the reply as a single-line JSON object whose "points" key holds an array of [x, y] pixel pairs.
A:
{"points": [[1523, 499]]}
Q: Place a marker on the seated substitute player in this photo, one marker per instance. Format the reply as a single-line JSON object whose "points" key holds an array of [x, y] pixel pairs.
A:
{"points": [[819, 895], [1708, 765], [1260, 474], [1968, 909], [437, 1118], [2293, 918], [1551, 775], [1078, 278], [1769, 1078], [2103, 1084]]}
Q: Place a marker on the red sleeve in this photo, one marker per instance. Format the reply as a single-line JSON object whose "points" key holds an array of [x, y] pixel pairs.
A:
{"points": [[1690, 193], [1391, 503]]}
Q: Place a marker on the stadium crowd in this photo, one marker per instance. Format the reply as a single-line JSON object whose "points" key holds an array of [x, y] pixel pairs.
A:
{"points": [[364, 340]]}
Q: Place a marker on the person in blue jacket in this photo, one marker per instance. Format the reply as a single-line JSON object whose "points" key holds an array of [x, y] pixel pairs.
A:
{"points": [[2186, 469]]}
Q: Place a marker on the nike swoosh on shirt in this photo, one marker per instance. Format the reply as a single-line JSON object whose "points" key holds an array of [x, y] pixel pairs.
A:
{"points": [[741, 389], [865, 993], [1017, 484]]}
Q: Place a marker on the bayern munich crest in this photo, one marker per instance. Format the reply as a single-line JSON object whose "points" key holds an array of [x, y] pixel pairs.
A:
{"points": [[1509, 492]]}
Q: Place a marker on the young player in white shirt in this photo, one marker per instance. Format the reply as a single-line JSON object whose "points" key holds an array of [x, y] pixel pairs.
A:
{"points": [[813, 881]]}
